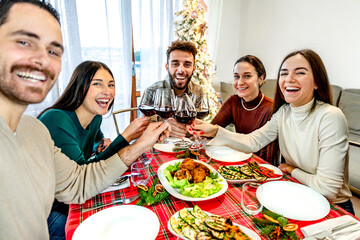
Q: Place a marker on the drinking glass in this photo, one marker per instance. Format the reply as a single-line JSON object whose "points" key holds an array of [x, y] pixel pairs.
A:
{"points": [[249, 202], [164, 104], [201, 103], [139, 173], [145, 160], [146, 105], [185, 113]]}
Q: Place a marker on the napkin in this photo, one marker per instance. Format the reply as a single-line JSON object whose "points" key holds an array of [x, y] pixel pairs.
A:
{"points": [[125, 184], [318, 227]]}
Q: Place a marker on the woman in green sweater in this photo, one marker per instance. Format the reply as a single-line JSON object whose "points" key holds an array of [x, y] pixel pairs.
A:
{"points": [[74, 124]]}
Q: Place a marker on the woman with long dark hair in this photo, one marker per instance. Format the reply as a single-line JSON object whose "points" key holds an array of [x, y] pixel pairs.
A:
{"points": [[248, 109], [312, 134], [74, 124]]}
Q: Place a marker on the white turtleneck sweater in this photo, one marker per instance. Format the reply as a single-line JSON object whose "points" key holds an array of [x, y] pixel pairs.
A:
{"points": [[316, 144]]}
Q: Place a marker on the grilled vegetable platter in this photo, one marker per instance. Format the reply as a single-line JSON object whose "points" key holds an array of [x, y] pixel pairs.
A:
{"points": [[250, 172], [194, 223], [191, 180]]}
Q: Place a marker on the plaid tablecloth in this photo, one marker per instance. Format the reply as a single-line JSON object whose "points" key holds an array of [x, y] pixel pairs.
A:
{"points": [[226, 205]]}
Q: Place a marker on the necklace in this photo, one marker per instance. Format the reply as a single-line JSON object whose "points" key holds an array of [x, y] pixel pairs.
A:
{"points": [[252, 109]]}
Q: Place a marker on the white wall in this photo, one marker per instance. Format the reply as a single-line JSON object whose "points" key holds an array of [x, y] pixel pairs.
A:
{"points": [[270, 29]]}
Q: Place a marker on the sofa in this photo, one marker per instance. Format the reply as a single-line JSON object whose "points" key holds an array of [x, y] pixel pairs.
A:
{"points": [[348, 100]]}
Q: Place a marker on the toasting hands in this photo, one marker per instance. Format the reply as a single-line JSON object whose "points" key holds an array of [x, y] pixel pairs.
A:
{"points": [[202, 128], [136, 128]]}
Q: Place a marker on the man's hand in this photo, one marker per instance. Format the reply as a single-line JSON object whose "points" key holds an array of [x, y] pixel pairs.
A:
{"points": [[153, 132], [178, 130], [136, 128], [105, 142]]}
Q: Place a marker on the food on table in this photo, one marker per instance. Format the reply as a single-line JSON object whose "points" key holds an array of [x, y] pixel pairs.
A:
{"points": [[275, 226], [291, 227], [193, 179], [196, 224], [143, 187], [187, 153], [154, 194], [251, 170]]}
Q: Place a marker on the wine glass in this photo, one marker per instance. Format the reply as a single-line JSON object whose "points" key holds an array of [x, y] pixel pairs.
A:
{"points": [[146, 105], [185, 113], [164, 104], [201, 103]]}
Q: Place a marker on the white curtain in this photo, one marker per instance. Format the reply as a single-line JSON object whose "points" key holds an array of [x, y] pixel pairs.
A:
{"points": [[102, 31], [99, 31], [153, 32], [213, 22]]}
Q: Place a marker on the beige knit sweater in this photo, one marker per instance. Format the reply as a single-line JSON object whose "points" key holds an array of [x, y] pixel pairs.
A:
{"points": [[33, 171], [316, 144]]}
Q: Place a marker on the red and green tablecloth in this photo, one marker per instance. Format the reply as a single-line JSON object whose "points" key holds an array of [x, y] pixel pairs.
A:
{"points": [[226, 205]]}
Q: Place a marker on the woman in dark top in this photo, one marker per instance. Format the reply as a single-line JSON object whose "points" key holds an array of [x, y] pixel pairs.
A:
{"points": [[74, 124], [249, 108]]}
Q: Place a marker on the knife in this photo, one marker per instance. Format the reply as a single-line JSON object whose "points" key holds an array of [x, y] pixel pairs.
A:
{"points": [[327, 232]]}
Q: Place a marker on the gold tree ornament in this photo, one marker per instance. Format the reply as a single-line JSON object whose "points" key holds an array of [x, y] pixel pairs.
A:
{"points": [[190, 25]]}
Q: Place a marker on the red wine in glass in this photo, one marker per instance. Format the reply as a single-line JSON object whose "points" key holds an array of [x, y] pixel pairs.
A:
{"points": [[147, 110], [165, 111], [201, 114], [185, 117]]}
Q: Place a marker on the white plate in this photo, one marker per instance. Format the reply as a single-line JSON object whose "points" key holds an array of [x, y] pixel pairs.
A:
{"points": [[253, 235], [226, 154], [276, 170], [120, 222], [168, 147], [293, 200], [174, 192]]}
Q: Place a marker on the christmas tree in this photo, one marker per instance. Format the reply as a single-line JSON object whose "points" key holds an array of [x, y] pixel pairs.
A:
{"points": [[191, 26]]}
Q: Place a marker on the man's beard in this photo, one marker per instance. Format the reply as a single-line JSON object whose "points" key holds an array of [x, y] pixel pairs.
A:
{"points": [[174, 85], [19, 96]]}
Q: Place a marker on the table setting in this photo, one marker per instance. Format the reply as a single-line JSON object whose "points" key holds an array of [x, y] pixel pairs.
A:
{"points": [[189, 189], [227, 203]]}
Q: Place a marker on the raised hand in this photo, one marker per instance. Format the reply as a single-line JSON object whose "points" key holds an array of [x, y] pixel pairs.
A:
{"points": [[136, 128], [202, 128], [105, 142], [178, 130]]}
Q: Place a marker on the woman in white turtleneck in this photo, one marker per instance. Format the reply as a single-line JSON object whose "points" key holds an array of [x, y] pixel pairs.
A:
{"points": [[312, 134]]}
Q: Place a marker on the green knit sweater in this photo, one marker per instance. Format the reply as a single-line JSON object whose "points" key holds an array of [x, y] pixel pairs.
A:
{"points": [[77, 143]]}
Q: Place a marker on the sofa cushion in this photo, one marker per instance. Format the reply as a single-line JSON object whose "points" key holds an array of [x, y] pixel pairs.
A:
{"points": [[269, 88], [226, 90], [349, 103], [336, 92]]}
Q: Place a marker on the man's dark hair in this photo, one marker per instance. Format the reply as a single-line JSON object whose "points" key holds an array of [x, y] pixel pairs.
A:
{"points": [[183, 46], [5, 6]]}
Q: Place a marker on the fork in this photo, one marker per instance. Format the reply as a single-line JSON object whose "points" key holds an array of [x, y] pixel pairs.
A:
{"points": [[125, 201]]}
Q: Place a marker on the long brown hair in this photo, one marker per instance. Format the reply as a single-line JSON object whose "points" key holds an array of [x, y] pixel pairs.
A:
{"points": [[79, 84], [322, 93]]}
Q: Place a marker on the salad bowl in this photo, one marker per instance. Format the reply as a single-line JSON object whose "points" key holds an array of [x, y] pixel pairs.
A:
{"points": [[176, 192]]}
